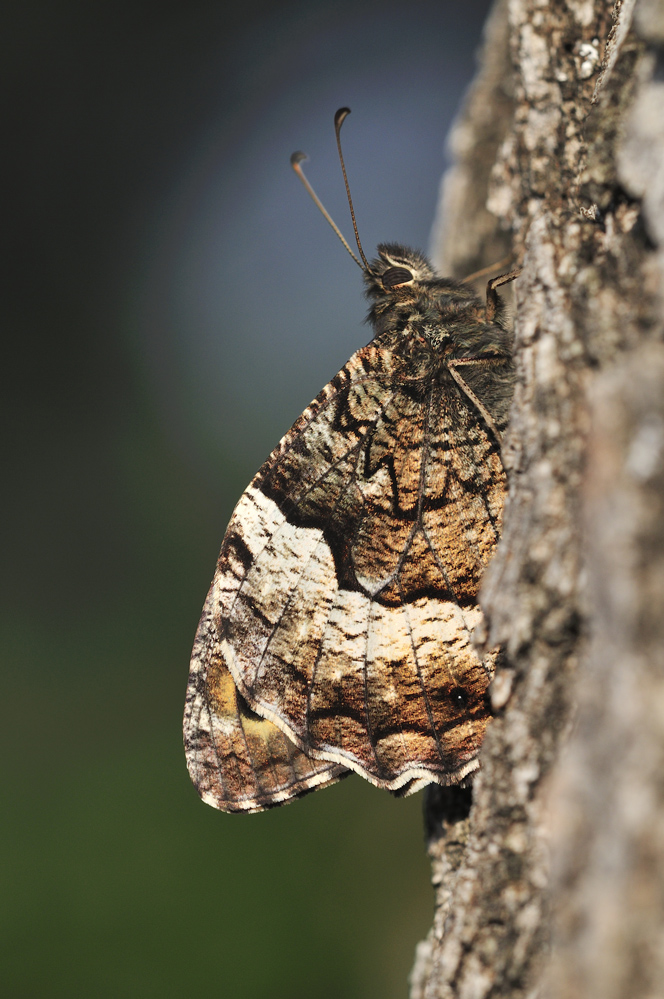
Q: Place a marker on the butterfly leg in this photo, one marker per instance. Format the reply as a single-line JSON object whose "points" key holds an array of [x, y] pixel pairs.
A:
{"points": [[492, 300], [476, 275], [460, 362]]}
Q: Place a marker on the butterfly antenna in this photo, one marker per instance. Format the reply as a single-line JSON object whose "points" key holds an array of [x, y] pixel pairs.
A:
{"points": [[296, 160], [339, 119]]}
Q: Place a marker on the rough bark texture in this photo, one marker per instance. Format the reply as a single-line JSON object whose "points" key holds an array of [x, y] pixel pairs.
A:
{"points": [[551, 883]]}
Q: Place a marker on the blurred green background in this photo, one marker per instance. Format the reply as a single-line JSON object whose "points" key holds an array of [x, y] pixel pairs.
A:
{"points": [[172, 302]]}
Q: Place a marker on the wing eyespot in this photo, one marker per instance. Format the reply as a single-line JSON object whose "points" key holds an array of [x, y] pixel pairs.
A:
{"points": [[459, 698]]}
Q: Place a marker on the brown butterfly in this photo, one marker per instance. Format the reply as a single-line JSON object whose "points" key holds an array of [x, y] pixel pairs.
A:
{"points": [[336, 635]]}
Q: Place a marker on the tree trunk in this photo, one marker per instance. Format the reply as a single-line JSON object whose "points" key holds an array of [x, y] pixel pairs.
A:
{"points": [[551, 882]]}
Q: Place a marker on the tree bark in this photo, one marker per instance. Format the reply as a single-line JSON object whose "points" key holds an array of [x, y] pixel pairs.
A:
{"points": [[549, 877]]}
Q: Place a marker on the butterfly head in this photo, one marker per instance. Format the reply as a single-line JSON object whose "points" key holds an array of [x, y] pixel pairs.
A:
{"points": [[406, 292], [397, 267]]}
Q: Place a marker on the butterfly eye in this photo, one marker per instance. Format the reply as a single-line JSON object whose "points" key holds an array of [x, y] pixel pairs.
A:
{"points": [[395, 276]]}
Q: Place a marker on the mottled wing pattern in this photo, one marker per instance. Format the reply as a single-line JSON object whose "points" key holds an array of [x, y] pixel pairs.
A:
{"points": [[345, 593], [239, 761]]}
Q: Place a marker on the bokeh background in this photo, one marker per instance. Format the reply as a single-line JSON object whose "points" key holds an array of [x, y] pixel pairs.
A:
{"points": [[172, 302]]}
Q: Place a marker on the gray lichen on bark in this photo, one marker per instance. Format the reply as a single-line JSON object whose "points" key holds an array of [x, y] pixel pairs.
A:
{"points": [[552, 882]]}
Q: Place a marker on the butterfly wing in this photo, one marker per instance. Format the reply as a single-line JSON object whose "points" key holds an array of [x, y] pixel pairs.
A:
{"points": [[345, 593], [238, 761]]}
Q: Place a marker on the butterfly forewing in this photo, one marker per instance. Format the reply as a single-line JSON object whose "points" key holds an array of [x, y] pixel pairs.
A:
{"points": [[239, 761], [345, 594]]}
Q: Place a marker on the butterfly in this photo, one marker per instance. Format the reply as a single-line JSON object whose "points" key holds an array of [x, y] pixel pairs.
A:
{"points": [[337, 632]]}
